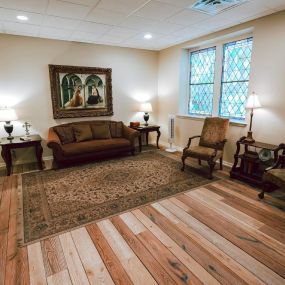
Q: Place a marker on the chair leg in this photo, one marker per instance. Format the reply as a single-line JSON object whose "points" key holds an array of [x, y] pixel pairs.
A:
{"points": [[183, 162], [199, 160], [221, 163], [211, 166]]}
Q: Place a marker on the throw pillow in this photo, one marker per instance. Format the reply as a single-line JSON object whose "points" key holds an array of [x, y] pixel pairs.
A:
{"points": [[100, 131], [116, 129], [65, 134], [82, 133]]}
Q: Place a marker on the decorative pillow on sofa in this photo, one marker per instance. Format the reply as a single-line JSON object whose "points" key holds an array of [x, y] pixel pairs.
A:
{"points": [[82, 133], [65, 134], [100, 130], [116, 129]]}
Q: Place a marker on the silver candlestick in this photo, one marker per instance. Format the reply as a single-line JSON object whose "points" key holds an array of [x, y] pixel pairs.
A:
{"points": [[27, 126]]}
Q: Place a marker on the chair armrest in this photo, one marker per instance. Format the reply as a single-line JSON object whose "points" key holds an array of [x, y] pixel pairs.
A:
{"points": [[130, 134], [189, 142], [220, 145]]}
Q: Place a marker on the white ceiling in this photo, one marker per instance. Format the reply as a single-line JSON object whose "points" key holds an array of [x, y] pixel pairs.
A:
{"points": [[123, 22]]}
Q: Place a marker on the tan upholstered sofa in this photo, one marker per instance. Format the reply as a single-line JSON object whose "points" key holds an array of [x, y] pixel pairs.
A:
{"points": [[89, 140]]}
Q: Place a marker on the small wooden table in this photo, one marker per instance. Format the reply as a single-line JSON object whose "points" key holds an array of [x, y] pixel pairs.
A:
{"points": [[146, 130], [8, 145], [251, 168]]}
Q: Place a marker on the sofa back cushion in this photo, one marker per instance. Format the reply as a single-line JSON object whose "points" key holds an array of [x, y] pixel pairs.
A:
{"points": [[82, 132], [100, 130], [116, 129], [65, 134]]}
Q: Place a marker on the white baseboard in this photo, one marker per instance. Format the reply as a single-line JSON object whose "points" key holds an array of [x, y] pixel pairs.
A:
{"points": [[18, 162]]}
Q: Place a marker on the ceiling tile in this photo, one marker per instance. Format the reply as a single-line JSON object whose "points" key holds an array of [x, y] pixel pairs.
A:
{"points": [[187, 17], [84, 36], [180, 3], [122, 32], [21, 29], [11, 15], [55, 33], [83, 2], [275, 4], [105, 16], [111, 39], [190, 32], [157, 11], [94, 28], [59, 22], [165, 27], [37, 6], [121, 6], [138, 23], [68, 10]]}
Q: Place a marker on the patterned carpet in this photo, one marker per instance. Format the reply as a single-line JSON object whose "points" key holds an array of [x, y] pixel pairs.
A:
{"points": [[54, 201]]}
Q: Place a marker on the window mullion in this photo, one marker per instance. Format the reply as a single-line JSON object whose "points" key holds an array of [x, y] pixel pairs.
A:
{"points": [[217, 80]]}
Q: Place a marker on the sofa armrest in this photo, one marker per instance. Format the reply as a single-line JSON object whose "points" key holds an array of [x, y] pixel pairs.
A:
{"points": [[130, 134], [53, 140]]}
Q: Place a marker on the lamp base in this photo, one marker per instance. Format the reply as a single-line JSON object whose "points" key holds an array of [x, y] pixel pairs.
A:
{"points": [[9, 129], [249, 138], [146, 118]]}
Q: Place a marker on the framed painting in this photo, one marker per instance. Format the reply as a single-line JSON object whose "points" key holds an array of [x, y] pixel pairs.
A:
{"points": [[80, 91]]}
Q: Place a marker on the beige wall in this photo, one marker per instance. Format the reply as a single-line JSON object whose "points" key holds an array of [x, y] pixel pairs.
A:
{"points": [[24, 79], [267, 80]]}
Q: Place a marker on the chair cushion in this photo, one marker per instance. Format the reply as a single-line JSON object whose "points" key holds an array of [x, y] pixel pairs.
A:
{"points": [[65, 134], [116, 129], [214, 131], [203, 153], [276, 177], [100, 131], [94, 145], [82, 133]]}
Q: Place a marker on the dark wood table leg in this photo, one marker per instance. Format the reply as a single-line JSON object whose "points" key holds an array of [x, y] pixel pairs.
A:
{"points": [[140, 142], [157, 138], [6, 155], [39, 155]]}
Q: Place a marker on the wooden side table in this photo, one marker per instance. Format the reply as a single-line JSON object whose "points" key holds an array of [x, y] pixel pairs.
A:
{"points": [[146, 130], [247, 165], [8, 145]]}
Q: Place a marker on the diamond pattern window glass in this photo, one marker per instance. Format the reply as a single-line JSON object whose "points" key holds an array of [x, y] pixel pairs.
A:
{"points": [[202, 72], [235, 77]]}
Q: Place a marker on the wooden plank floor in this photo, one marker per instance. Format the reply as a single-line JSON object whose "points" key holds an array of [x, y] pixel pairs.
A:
{"points": [[217, 234]]}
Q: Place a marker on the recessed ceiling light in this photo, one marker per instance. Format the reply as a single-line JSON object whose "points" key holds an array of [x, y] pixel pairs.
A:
{"points": [[22, 18], [148, 36]]}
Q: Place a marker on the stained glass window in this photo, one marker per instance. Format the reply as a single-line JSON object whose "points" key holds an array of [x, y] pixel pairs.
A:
{"points": [[235, 77], [202, 71]]}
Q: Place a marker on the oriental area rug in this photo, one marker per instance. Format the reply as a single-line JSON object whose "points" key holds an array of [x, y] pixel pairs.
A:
{"points": [[54, 201]]}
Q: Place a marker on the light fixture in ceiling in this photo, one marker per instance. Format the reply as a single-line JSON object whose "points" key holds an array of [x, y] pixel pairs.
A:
{"points": [[214, 7], [22, 18], [148, 36]]}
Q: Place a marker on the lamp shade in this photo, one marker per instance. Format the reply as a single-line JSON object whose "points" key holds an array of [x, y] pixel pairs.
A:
{"points": [[146, 107], [253, 101], [7, 115]]}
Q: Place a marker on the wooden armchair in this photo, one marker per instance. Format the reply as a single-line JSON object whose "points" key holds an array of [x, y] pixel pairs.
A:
{"points": [[211, 143], [274, 176]]}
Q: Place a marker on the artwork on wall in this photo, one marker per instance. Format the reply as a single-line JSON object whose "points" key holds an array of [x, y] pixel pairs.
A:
{"points": [[80, 91]]}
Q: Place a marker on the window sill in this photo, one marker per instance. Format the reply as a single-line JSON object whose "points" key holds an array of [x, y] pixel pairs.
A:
{"points": [[200, 118]]}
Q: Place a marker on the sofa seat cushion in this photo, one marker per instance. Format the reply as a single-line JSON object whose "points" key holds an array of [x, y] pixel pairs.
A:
{"points": [[275, 176], [94, 145], [203, 152]]}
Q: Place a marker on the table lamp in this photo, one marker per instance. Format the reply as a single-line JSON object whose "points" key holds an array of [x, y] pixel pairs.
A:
{"points": [[7, 115], [252, 103], [146, 108]]}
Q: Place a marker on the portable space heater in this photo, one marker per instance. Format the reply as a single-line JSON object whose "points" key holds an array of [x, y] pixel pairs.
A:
{"points": [[171, 133]]}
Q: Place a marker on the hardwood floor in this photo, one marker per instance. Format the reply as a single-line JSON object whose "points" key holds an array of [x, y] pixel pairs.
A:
{"points": [[217, 234]]}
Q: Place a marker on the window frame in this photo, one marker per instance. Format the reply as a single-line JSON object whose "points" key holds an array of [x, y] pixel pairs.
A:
{"points": [[218, 44]]}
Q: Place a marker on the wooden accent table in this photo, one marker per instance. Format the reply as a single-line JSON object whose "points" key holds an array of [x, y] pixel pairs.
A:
{"points": [[8, 145], [146, 130], [251, 168]]}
